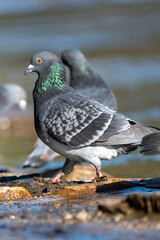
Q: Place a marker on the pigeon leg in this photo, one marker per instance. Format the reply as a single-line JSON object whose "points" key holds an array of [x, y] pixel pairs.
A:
{"points": [[66, 169], [92, 166], [96, 164], [98, 174], [99, 177]]}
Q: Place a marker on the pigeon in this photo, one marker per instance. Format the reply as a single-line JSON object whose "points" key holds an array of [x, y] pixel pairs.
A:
{"points": [[151, 144], [40, 155], [76, 126], [11, 96], [85, 79]]}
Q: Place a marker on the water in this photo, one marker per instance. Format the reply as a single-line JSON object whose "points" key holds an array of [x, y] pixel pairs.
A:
{"points": [[120, 38]]}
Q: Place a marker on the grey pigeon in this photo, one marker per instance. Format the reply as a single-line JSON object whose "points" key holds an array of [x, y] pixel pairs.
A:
{"points": [[11, 95], [40, 155], [85, 79], [75, 126], [151, 144]]}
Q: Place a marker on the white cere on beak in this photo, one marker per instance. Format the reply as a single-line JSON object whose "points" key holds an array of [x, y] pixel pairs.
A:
{"points": [[29, 69], [30, 66]]}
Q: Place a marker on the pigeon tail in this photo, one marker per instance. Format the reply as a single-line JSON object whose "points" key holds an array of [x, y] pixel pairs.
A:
{"points": [[150, 144]]}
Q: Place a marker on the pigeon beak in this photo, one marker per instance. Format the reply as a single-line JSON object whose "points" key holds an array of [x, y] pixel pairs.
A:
{"points": [[23, 105], [29, 69]]}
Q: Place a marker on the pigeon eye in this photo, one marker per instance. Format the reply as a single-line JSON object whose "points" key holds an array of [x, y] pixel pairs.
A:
{"points": [[39, 60]]}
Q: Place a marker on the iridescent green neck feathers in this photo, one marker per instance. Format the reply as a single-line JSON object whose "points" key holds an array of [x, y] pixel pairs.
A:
{"points": [[54, 78]]}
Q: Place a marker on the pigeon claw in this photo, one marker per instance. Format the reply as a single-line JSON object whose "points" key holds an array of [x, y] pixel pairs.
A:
{"points": [[99, 177], [102, 179]]}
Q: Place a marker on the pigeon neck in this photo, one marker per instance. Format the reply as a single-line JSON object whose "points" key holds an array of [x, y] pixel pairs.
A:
{"points": [[55, 79]]}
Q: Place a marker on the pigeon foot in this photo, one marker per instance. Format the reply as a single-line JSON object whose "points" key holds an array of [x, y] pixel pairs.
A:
{"points": [[102, 179], [98, 176], [57, 178]]}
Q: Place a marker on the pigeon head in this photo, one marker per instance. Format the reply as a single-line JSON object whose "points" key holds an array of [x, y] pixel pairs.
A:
{"points": [[82, 73], [73, 57], [13, 95], [50, 70], [41, 62]]}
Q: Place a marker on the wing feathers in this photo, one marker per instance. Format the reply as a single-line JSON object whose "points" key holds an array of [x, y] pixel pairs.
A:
{"points": [[79, 122]]}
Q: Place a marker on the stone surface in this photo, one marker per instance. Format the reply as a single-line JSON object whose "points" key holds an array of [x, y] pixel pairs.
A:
{"points": [[13, 193], [133, 202], [84, 173], [106, 206], [146, 203]]}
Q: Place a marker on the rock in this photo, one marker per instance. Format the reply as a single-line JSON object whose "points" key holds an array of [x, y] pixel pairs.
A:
{"points": [[132, 203], [146, 203], [150, 183], [118, 217], [109, 204], [10, 177], [83, 173], [13, 193], [114, 205], [84, 189], [82, 216], [113, 184], [68, 216]]}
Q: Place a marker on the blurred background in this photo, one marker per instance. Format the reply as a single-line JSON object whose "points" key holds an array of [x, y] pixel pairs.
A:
{"points": [[121, 38]]}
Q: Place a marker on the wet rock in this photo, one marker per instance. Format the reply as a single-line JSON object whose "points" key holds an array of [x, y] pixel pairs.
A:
{"points": [[13, 193], [83, 173], [68, 216], [86, 192], [121, 183], [78, 189], [82, 216], [18, 178], [150, 183], [113, 184], [4, 170], [115, 205], [146, 203], [133, 202], [118, 217]]}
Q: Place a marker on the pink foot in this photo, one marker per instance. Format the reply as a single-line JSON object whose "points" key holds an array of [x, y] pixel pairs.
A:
{"points": [[98, 175], [57, 178]]}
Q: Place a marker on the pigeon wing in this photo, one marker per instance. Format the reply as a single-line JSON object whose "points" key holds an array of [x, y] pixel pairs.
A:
{"points": [[79, 121]]}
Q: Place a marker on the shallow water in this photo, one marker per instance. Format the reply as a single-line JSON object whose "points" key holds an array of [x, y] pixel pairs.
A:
{"points": [[120, 38]]}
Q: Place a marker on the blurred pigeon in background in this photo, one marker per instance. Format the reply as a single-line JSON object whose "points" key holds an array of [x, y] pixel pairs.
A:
{"points": [[84, 78], [150, 144], [75, 126], [11, 96], [40, 155]]}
